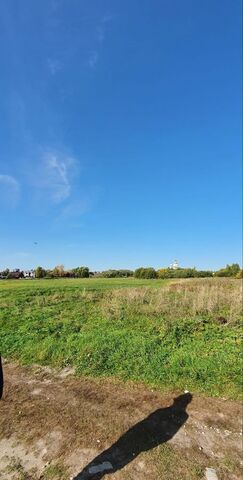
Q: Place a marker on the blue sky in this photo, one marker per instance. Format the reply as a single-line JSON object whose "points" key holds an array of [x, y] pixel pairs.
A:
{"points": [[120, 139]]}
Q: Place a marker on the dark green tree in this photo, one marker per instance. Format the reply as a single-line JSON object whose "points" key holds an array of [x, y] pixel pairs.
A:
{"points": [[228, 271], [148, 273], [40, 272], [81, 272]]}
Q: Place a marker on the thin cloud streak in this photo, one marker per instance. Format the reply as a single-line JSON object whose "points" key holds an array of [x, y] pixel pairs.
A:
{"points": [[10, 190], [10, 181], [54, 176], [58, 171], [93, 59], [72, 212], [22, 254], [101, 30], [54, 65], [100, 38]]}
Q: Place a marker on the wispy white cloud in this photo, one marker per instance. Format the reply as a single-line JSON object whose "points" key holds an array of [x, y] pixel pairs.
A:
{"points": [[54, 65], [55, 5], [10, 190], [17, 117], [100, 38], [93, 59], [75, 209], [107, 18], [101, 30], [100, 34], [9, 181], [56, 174], [59, 171], [72, 213], [21, 254], [85, 45]]}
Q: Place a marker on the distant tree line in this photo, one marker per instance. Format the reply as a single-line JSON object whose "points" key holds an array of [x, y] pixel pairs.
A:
{"points": [[58, 271], [184, 273], [116, 273], [229, 271], [40, 272], [80, 272], [145, 273]]}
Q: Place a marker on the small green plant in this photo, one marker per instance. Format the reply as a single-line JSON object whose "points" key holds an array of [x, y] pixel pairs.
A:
{"points": [[15, 467], [55, 472]]}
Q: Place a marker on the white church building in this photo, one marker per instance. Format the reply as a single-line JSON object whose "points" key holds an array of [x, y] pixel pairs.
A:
{"points": [[174, 265]]}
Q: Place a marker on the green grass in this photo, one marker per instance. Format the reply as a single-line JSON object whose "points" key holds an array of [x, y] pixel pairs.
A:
{"points": [[53, 472], [79, 283], [170, 337]]}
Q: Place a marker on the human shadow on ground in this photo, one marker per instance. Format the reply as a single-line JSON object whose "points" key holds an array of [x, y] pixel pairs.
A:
{"points": [[159, 427]]}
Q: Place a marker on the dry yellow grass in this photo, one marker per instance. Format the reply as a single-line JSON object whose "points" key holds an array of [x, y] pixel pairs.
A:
{"points": [[183, 298]]}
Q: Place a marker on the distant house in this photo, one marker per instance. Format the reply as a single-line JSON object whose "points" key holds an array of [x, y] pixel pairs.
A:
{"points": [[16, 274], [29, 273]]}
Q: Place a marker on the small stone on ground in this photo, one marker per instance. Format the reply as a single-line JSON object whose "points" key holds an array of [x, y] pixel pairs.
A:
{"points": [[211, 474]]}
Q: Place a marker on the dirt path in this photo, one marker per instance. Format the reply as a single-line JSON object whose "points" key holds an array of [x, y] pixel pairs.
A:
{"points": [[52, 425]]}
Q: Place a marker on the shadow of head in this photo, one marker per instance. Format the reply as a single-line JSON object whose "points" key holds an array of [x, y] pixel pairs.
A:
{"points": [[157, 428], [182, 401]]}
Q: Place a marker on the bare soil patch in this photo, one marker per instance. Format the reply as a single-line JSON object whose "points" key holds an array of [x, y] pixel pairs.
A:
{"points": [[53, 424]]}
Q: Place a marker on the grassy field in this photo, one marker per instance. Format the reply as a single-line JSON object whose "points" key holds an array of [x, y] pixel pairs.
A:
{"points": [[80, 283], [179, 335]]}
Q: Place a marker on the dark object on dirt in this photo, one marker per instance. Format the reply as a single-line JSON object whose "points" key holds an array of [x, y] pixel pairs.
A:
{"points": [[1, 377], [157, 428], [222, 320]]}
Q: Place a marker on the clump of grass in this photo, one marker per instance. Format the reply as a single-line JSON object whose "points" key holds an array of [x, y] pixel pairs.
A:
{"points": [[54, 472], [183, 334], [15, 467], [168, 460]]}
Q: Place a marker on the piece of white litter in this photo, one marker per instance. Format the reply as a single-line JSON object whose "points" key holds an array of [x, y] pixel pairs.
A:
{"points": [[186, 391], [100, 468], [211, 474]]}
